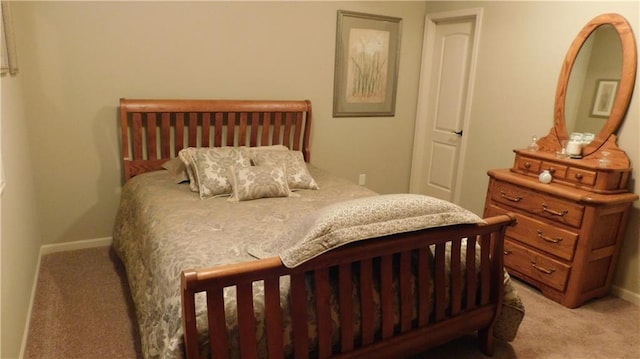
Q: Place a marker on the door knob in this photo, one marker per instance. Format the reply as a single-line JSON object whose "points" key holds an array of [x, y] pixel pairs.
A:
{"points": [[459, 133]]}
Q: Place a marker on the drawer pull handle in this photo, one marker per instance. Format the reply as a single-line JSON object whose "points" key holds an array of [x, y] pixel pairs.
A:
{"points": [[506, 252], [548, 239], [542, 269], [510, 198], [578, 176], [555, 213], [552, 170], [527, 165]]}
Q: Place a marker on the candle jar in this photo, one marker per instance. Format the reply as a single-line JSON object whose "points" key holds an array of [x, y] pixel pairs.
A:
{"points": [[574, 148]]}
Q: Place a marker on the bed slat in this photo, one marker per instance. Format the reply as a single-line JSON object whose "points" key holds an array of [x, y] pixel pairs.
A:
{"points": [[206, 129], [218, 336], [246, 321], [345, 292], [366, 301], [166, 136], [255, 126], [472, 278], [485, 272], [299, 316], [193, 129], [137, 141], [440, 281], [406, 298], [152, 151], [179, 130], [266, 127], [277, 125], [456, 277], [273, 317], [386, 293], [424, 290], [323, 312]]}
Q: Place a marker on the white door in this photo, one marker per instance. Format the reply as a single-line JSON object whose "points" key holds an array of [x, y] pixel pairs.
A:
{"points": [[446, 81]]}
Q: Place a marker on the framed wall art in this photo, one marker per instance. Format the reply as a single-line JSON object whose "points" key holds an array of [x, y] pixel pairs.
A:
{"points": [[366, 64], [8, 60], [604, 98]]}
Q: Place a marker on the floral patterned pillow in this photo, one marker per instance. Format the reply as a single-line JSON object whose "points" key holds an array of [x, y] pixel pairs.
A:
{"points": [[211, 169], [258, 182], [298, 177], [251, 151], [187, 157]]}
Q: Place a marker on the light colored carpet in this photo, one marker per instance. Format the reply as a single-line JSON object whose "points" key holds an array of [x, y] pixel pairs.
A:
{"points": [[83, 310]]}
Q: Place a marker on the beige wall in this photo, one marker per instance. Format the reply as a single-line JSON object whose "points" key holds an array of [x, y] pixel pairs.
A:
{"points": [[77, 58], [21, 238], [522, 46]]}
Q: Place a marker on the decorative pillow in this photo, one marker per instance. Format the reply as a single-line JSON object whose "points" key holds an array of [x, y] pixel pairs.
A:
{"points": [[186, 155], [251, 151], [176, 169], [211, 167], [298, 177], [258, 182], [344, 222]]}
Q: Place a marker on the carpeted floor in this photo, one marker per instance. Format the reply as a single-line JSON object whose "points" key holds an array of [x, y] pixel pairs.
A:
{"points": [[82, 309]]}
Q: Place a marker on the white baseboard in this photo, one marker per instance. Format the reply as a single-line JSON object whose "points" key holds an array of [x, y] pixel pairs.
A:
{"points": [[69, 246], [54, 248], [625, 294]]}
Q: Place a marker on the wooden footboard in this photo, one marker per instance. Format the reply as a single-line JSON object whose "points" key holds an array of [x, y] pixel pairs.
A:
{"points": [[446, 305]]}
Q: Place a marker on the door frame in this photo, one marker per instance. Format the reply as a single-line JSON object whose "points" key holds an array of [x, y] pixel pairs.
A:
{"points": [[418, 163]]}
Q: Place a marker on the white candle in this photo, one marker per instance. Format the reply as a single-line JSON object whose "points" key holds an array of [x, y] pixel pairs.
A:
{"points": [[574, 148]]}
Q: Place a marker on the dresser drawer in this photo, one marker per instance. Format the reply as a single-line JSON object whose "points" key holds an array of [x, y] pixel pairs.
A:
{"points": [[580, 176], [535, 265], [556, 170], [553, 208], [544, 236], [527, 164]]}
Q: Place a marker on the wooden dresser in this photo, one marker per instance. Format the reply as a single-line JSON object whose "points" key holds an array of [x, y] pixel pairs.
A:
{"points": [[566, 240], [570, 227]]}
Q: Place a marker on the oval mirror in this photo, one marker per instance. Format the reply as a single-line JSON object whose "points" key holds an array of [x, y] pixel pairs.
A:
{"points": [[596, 81]]}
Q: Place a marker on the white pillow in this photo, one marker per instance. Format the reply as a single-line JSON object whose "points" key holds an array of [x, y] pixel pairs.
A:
{"points": [[258, 182], [298, 176]]}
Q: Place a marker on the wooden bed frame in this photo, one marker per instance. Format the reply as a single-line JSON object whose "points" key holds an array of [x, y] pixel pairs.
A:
{"points": [[468, 300]]}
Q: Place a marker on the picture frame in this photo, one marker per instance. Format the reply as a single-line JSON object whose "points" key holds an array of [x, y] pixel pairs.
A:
{"points": [[8, 61], [604, 97], [367, 60]]}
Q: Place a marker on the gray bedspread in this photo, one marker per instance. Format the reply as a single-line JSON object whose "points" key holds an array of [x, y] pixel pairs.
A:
{"points": [[163, 228]]}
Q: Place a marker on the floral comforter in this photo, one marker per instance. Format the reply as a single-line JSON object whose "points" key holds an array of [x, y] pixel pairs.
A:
{"points": [[163, 228]]}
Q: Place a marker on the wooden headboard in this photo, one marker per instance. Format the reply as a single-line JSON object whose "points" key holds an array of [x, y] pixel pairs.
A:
{"points": [[154, 131]]}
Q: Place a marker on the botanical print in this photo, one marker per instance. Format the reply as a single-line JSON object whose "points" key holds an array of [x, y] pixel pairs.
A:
{"points": [[367, 66]]}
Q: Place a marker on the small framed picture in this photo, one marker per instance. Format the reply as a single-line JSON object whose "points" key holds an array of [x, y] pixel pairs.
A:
{"points": [[366, 64], [604, 98]]}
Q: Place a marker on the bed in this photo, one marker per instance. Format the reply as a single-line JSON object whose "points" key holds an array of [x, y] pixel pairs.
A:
{"points": [[288, 260]]}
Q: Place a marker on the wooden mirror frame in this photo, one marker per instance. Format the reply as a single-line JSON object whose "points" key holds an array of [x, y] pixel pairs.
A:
{"points": [[625, 87]]}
